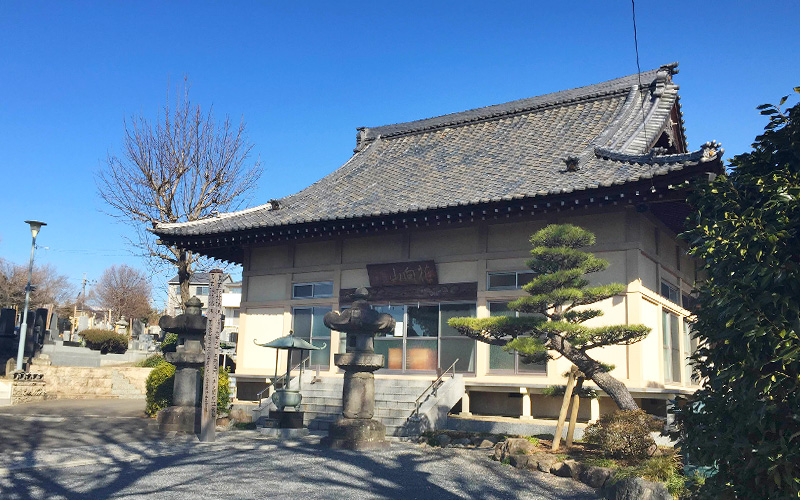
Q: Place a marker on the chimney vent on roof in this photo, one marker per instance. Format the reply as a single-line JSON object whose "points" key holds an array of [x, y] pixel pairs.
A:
{"points": [[274, 204]]}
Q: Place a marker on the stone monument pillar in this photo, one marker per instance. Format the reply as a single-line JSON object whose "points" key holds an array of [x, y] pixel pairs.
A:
{"points": [[356, 430], [188, 358]]}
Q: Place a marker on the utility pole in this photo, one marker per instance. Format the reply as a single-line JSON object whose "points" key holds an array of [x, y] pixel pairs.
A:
{"points": [[82, 296]]}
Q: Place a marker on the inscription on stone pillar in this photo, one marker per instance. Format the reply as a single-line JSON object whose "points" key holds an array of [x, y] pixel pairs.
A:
{"points": [[211, 374]]}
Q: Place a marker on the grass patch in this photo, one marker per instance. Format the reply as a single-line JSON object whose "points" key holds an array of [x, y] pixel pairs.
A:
{"points": [[533, 440], [601, 462]]}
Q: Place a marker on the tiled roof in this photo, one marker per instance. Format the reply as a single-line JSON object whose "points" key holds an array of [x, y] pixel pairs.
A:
{"points": [[507, 151]]}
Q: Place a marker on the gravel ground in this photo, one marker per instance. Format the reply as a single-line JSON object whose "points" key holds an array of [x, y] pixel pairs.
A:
{"points": [[244, 466], [105, 449]]}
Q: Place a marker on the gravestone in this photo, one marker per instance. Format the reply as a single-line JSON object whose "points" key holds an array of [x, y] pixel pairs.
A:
{"points": [[8, 320]]}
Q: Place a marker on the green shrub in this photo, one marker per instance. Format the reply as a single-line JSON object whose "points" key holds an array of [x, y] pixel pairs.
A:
{"points": [[663, 469], [105, 341], [533, 440], [223, 391], [151, 361], [161, 382], [169, 343], [624, 433], [159, 386]]}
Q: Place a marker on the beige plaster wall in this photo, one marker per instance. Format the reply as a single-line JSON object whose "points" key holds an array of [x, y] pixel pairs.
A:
{"points": [[387, 248], [429, 244], [268, 287], [262, 325], [624, 237]]}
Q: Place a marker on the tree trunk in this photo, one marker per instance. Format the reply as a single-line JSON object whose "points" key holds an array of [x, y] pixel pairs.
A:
{"points": [[593, 370], [184, 275]]}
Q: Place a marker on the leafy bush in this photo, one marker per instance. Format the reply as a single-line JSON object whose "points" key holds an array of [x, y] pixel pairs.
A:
{"points": [[161, 381], [663, 469], [223, 391], [151, 361], [533, 440], [624, 433], [159, 385], [105, 341], [745, 419], [169, 343]]}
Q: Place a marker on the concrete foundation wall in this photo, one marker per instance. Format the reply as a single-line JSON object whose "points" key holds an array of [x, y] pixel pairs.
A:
{"points": [[72, 382]]}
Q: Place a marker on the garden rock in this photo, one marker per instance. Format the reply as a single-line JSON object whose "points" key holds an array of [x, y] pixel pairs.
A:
{"points": [[520, 461], [636, 488], [573, 468], [513, 446], [595, 477], [462, 442], [443, 440], [559, 469], [545, 462], [485, 443]]}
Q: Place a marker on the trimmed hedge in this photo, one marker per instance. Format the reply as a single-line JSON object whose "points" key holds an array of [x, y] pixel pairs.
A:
{"points": [[105, 341]]}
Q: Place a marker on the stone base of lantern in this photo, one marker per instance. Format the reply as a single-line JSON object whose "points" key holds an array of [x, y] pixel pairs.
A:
{"points": [[356, 434], [184, 419]]}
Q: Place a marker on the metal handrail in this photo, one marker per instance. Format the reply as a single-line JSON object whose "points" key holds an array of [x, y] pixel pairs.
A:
{"points": [[434, 385], [275, 381]]}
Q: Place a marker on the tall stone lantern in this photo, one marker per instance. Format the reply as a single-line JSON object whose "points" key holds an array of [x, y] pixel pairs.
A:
{"points": [[188, 358], [356, 429]]}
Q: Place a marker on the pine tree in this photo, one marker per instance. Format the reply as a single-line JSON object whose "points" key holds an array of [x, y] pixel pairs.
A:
{"points": [[555, 311]]}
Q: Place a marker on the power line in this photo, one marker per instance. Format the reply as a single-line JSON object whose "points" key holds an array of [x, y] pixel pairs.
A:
{"points": [[639, 71]]}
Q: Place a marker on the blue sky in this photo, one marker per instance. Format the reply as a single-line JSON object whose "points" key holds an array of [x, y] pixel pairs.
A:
{"points": [[305, 75]]}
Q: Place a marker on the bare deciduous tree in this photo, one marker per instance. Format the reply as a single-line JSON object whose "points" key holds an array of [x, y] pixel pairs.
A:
{"points": [[184, 167], [125, 291], [50, 288]]}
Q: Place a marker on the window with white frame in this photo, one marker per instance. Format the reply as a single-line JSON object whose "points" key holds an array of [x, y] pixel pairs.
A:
{"points": [[308, 325], [501, 361], [671, 292], [201, 290], [315, 290], [508, 280], [671, 338]]}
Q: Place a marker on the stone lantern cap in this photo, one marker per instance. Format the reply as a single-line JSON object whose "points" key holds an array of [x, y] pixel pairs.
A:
{"points": [[192, 322]]}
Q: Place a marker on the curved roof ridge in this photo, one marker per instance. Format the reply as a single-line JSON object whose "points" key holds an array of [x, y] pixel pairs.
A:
{"points": [[597, 90], [707, 152]]}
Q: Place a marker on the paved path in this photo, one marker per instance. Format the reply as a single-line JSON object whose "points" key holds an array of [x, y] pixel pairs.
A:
{"points": [[242, 464], [69, 423]]}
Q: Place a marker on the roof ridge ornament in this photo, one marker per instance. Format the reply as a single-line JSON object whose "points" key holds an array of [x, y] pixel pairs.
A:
{"points": [[664, 78]]}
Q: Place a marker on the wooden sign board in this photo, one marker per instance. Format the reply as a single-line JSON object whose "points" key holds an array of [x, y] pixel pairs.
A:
{"points": [[403, 273]]}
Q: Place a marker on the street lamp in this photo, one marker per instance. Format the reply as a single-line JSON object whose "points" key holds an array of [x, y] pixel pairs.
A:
{"points": [[35, 227]]}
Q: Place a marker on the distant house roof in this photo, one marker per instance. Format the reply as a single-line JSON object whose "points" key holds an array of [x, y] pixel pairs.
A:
{"points": [[571, 143], [197, 279]]}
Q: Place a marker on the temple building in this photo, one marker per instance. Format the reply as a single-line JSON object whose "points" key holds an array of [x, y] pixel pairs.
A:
{"points": [[434, 217]]}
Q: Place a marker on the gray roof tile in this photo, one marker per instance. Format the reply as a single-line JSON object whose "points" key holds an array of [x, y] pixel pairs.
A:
{"points": [[506, 151]]}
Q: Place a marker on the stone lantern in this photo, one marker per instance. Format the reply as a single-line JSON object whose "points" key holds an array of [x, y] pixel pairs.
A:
{"points": [[188, 358], [356, 430]]}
